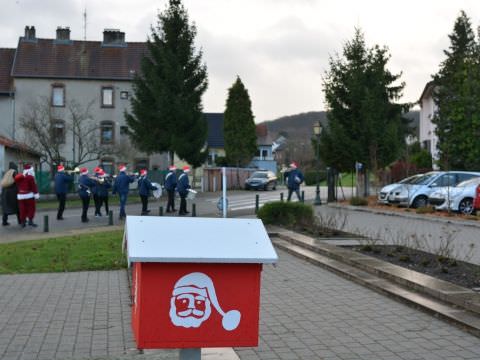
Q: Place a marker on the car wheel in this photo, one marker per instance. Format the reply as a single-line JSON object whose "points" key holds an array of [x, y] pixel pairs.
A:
{"points": [[274, 186], [466, 206], [420, 201]]}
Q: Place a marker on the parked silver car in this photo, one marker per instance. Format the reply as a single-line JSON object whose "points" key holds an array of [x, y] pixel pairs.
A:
{"points": [[416, 194], [385, 196], [457, 198]]}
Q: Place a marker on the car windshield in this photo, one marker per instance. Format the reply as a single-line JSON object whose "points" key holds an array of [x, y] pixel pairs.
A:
{"points": [[470, 182], [410, 180], [261, 175], [424, 179]]}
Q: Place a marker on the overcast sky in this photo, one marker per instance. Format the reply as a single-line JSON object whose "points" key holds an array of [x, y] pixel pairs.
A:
{"points": [[279, 48]]}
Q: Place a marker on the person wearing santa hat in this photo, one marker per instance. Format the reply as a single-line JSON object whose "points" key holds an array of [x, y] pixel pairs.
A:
{"points": [[122, 186], [62, 181], [170, 185], [182, 187], [85, 186], [294, 178], [9, 194], [27, 194], [144, 188], [101, 192]]}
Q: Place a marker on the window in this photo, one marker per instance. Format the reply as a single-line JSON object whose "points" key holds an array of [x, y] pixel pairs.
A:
{"points": [[58, 95], [106, 132], [58, 131], [141, 164], [264, 154], [123, 130], [107, 165], [124, 95], [107, 96]]}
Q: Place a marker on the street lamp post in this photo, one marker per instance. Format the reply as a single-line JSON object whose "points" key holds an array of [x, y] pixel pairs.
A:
{"points": [[317, 130]]}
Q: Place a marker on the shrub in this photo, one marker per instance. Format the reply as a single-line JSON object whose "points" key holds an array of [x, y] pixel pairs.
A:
{"points": [[358, 201], [286, 213], [311, 177], [425, 210]]}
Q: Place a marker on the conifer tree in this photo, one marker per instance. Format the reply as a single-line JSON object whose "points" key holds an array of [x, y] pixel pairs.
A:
{"points": [[457, 97], [239, 126], [365, 122], [166, 106]]}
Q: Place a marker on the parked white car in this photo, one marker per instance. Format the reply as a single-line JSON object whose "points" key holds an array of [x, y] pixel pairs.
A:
{"points": [[457, 198], [385, 196], [416, 194]]}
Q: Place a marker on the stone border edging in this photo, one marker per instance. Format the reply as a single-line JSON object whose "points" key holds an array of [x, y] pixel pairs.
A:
{"points": [[454, 295], [472, 223]]}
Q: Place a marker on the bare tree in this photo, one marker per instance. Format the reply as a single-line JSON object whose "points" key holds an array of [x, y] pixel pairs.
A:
{"points": [[40, 122]]}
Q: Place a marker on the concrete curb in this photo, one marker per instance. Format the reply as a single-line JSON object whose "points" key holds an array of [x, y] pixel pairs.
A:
{"points": [[472, 223], [451, 302]]}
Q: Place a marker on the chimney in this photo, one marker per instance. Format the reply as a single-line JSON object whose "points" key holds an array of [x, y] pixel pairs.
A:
{"points": [[30, 33], [113, 37], [63, 33]]}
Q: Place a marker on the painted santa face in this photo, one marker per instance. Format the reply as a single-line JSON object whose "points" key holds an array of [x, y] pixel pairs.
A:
{"points": [[189, 309]]}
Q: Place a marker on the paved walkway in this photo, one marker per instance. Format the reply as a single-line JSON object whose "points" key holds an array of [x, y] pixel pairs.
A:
{"points": [[307, 313]]}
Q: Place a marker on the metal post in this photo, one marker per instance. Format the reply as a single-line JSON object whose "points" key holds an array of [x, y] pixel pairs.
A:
{"points": [[160, 211], [110, 217], [318, 200], [224, 191], [257, 201], [303, 196], [194, 210], [281, 196], [45, 223], [190, 354]]}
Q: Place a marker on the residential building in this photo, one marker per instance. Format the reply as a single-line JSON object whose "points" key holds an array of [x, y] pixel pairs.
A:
{"points": [[92, 78], [427, 137]]}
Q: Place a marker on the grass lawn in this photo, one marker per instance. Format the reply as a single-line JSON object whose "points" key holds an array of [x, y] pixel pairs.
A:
{"points": [[100, 251]]}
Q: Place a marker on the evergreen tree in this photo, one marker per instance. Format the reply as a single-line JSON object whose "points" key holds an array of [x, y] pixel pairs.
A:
{"points": [[166, 106], [239, 126], [457, 96], [365, 124]]}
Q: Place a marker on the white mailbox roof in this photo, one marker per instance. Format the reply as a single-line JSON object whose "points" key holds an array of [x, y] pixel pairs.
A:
{"points": [[197, 240]]}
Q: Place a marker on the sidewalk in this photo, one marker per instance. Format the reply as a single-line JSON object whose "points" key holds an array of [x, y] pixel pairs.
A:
{"points": [[306, 313]]}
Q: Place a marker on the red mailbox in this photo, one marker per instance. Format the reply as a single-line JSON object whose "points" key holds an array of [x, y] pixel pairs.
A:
{"points": [[196, 281]]}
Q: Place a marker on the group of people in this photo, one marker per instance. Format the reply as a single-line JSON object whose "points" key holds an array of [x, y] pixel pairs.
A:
{"points": [[19, 192], [181, 185]]}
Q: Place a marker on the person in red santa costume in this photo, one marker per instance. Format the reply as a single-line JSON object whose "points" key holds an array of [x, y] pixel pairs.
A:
{"points": [[27, 194]]}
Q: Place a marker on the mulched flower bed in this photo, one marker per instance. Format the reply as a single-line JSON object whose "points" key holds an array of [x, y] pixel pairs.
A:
{"points": [[455, 271]]}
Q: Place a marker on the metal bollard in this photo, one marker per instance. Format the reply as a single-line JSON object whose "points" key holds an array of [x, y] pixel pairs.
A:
{"points": [[45, 223], [303, 196], [257, 200], [194, 210], [110, 217], [281, 196], [160, 211]]}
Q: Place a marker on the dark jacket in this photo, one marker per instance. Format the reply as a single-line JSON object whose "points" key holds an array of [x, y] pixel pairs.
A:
{"points": [[144, 186], [122, 183], [85, 186], [183, 184], [9, 196], [294, 179], [101, 188], [61, 182], [171, 180]]}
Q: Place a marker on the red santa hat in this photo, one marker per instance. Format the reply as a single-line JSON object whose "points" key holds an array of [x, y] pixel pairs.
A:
{"points": [[60, 168], [293, 165], [122, 167], [143, 172], [186, 168], [83, 171], [172, 168], [27, 167], [97, 169], [101, 172]]}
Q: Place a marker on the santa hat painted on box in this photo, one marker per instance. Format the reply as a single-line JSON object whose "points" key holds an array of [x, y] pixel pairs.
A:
{"points": [[201, 284]]}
